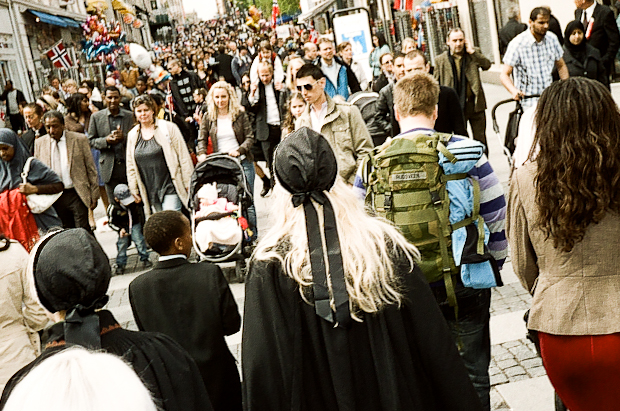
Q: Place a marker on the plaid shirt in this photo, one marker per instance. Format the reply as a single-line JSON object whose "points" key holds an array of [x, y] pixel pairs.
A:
{"points": [[532, 62]]}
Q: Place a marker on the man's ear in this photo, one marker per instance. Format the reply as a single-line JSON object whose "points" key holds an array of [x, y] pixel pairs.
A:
{"points": [[396, 114]]}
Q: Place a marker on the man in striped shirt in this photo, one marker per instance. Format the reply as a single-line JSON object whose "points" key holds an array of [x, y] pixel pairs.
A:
{"points": [[415, 97]]}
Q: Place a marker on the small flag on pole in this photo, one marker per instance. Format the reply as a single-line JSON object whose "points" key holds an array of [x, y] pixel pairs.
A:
{"points": [[59, 56], [275, 11]]}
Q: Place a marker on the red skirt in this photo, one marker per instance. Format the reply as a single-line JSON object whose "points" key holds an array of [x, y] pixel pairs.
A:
{"points": [[584, 369], [16, 220]]}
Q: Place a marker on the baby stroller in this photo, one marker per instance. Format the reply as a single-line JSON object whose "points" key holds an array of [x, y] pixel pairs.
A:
{"points": [[219, 224], [508, 142]]}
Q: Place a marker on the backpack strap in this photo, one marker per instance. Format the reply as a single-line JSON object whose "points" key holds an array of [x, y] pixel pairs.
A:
{"points": [[26, 170]]}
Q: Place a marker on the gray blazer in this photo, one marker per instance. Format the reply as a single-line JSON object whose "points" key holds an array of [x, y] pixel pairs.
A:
{"points": [[99, 129]]}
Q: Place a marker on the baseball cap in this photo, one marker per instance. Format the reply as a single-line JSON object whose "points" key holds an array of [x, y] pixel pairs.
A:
{"points": [[123, 194]]}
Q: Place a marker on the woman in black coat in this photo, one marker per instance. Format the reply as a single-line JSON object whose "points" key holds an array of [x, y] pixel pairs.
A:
{"points": [[370, 338], [582, 60]]}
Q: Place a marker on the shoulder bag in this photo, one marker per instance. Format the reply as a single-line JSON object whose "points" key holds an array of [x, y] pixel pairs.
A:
{"points": [[37, 203]]}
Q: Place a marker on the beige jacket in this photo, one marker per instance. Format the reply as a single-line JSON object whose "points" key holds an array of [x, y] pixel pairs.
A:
{"points": [[346, 132], [575, 293], [179, 162], [21, 316]]}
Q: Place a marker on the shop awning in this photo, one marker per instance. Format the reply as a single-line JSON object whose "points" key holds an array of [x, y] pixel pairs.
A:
{"points": [[315, 11], [55, 20]]}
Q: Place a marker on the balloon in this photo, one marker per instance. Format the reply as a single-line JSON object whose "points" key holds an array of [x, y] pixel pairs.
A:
{"points": [[140, 56]]}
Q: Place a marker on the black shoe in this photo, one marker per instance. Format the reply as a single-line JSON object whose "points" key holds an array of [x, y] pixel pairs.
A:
{"points": [[147, 264], [266, 187], [118, 270]]}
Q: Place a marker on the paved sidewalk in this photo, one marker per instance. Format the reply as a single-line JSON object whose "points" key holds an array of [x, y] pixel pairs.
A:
{"points": [[518, 379]]}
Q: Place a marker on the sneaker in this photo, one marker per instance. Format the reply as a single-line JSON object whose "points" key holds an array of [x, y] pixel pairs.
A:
{"points": [[147, 264], [118, 270]]}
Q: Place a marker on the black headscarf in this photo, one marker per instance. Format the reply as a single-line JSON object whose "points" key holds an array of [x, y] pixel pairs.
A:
{"points": [[77, 284], [306, 167], [10, 172], [577, 51]]}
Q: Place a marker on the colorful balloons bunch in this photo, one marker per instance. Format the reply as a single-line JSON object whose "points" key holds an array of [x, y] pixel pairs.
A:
{"points": [[103, 41]]}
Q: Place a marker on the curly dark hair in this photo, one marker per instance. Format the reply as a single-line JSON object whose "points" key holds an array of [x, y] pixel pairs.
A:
{"points": [[162, 228], [578, 176]]}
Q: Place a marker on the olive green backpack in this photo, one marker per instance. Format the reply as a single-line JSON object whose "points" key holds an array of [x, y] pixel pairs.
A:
{"points": [[407, 186]]}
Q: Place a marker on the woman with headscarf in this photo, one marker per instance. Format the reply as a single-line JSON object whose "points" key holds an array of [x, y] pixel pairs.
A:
{"points": [[73, 291], [15, 217], [338, 314], [562, 224], [21, 316], [582, 60]]}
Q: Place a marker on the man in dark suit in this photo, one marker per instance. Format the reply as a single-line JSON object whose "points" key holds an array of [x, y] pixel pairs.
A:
{"points": [[224, 66], [264, 99], [108, 133], [33, 113], [191, 303], [69, 155], [450, 117], [601, 30]]}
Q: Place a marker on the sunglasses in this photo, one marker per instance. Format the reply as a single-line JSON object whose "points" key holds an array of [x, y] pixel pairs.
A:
{"points": [[308, 87]]}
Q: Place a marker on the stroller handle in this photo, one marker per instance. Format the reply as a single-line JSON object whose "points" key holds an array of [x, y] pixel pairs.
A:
{"points": [[509, 100]]}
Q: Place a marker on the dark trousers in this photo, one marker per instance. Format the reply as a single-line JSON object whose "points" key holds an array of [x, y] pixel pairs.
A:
{"points": [[471, 332], [478, 123], [72, 211], [269, 146], [119, 176], [17, 122]]}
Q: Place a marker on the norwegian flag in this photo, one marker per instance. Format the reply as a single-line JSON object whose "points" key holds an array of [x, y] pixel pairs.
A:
{"points": [[403, 5], [275, 11], [59, 56]]}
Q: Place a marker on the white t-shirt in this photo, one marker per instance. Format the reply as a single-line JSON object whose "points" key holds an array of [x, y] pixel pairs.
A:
{"points": [[226, 140]]}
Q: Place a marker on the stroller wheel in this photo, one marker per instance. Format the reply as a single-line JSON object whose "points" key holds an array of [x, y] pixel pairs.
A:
{"points": [[240, 270]]}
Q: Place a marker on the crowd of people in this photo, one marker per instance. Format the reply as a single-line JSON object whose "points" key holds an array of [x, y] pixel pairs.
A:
{"points": [[339, 313]]}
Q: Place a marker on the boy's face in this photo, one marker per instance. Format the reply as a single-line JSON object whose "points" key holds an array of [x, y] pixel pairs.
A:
{"points": [[184, 243]]}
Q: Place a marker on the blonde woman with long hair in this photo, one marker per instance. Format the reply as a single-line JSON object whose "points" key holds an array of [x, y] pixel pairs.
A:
{"points": [[337, 313], [229, 130]]}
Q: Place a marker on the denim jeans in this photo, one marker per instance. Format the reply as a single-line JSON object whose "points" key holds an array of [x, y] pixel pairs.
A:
{"points": [[248, 169], [171, 202], [123, 243], [471, 333]]}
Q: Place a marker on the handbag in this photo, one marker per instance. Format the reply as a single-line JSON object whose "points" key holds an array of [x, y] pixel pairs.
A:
{"points": [[37, 203], [512, 128]]}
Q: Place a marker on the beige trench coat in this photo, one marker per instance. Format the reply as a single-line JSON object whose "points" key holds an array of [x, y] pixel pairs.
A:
{"points": [[21, 316], [179, 162]]}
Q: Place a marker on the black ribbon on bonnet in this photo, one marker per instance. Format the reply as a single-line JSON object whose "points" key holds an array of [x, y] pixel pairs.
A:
{"points": [[305, 159], [81, 324]]}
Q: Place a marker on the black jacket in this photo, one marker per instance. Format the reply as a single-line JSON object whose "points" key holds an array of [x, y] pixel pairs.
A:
{"points": [[30, 135], [118, 217], [604, 36], [592, 68], [260, 111], [224, 68], [402, 358], [450, 117], [20, 98], [381, 82], [183, 101], [510, 30], [164, 367], [384, 124], [193, 304]]}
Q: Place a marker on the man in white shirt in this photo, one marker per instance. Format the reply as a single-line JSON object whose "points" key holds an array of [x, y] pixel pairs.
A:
{"points": [[340, 79], [68, 155], [264, 99]]}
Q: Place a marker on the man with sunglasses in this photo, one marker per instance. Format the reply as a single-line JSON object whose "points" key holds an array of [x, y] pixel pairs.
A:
{"points": [[340, 123]]}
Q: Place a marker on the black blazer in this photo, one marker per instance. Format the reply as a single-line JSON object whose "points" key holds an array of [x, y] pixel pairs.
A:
{"points": [[260, 112], [450, 117], [381, 82], [193, 304], [510, 30], [605, 36], [384, 123]]}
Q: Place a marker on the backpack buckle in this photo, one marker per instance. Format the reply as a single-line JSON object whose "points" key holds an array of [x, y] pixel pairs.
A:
{"points": [[387, 201], [435, 198]]}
